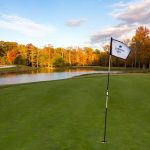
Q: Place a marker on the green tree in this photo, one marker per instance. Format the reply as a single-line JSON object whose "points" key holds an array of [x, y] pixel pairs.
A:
{"points": [[20, 60], [58, 62]]}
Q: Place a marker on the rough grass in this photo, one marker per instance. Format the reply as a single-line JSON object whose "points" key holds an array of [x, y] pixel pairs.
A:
{"points": [[17, 69], [69, 114]]}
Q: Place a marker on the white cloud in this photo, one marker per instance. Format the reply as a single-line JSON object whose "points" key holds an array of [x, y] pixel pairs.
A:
{"points": [[116, 31], [76, 22], [131, 15], [25, 26], [133, 12], [119, 5]]}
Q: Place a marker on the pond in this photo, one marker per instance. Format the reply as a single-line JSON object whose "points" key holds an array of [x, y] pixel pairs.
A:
{"points": [[44, 75]]}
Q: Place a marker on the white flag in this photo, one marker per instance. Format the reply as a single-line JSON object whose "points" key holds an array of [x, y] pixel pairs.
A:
{"points": [[119, 49]]}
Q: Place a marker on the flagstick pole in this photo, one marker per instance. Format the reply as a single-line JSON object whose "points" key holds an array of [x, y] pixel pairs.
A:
{"points": [[107, 94]]}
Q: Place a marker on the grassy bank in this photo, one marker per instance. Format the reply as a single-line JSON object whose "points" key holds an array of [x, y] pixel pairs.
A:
{"points": [[127, 69], [16, 69], [69, 114]]}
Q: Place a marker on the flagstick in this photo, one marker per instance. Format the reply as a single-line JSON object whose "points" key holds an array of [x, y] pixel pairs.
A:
{"points": [[121, 50], [107, 95]]}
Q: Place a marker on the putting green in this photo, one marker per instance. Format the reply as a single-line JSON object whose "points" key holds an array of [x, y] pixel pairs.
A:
{"points": [[69, 114]]}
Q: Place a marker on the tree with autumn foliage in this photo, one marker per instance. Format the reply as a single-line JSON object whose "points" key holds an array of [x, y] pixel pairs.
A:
{"points": [[8, 52], [10, 56], [32, 55], [141, 47]]}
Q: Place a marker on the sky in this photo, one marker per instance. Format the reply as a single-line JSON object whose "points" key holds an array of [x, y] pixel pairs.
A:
{"points": [[67, 23]]}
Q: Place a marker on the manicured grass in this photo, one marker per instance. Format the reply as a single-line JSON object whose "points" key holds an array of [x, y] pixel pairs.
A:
{"points": [[69, 114]]}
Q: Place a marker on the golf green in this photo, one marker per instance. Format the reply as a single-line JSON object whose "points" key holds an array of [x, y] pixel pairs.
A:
{"points": [[69, 114]]}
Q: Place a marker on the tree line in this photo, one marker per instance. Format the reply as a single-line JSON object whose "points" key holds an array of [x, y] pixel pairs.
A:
{"points": [[48, 56]]}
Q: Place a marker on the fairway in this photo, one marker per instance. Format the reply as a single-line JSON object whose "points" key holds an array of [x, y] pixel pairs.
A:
{"points": [[69, 114]]}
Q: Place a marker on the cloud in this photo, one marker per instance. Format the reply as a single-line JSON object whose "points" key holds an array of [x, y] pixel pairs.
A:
{"points": [[119, 5], [133, 12], [131, 15], [76, 22], [25, 26], [116, 31]]}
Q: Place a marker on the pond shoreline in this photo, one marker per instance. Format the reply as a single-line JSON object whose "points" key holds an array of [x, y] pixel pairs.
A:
{"points": [[23, 69], [12, 79], [36, 77]]}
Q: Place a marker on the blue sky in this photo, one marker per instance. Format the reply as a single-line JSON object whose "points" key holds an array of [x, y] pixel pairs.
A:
{"points": [[70, 22]]}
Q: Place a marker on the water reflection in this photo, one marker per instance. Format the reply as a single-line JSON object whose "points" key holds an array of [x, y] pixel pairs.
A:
{"points": [[43, 75], [49, 70]]}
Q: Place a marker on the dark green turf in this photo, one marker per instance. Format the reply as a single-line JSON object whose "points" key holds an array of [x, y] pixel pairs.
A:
{"points": [[69, 114]]}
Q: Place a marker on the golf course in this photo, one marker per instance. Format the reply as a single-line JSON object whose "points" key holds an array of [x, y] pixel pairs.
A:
{"points": [[69, 114]]}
